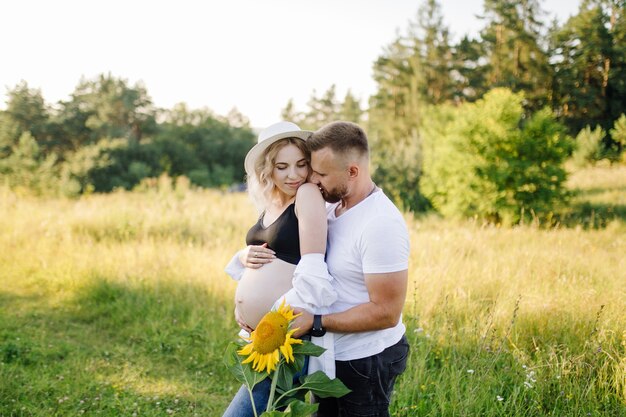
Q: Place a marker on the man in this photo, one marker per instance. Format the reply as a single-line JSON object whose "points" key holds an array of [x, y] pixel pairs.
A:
{"points": [[367, 256]]}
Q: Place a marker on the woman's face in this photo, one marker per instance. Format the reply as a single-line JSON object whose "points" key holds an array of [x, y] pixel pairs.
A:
{"points": [[290, 170]]}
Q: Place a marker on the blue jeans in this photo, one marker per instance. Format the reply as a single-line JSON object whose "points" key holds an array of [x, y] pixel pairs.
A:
{"points": [[371, 380], [240, 405]]}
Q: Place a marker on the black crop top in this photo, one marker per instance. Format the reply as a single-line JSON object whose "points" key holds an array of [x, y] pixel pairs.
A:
{"points": [[282, 236]]}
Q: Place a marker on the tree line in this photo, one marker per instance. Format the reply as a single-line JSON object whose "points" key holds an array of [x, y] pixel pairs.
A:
{"points": [[538, 93], [110, 135], [475, 127]]}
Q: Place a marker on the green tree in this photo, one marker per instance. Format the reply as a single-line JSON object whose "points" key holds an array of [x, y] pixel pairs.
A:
{"points": [[202, 146], [616, 84], [321, 110], [324, 109], [111, 108], [413, 72], [618, 133], [9, 134], [485, 159], [589, 148], [469, 71], [590, 65], [290, 114], [27, 112], [511, 47], [236, 119], [27, 167], [350, 109]]}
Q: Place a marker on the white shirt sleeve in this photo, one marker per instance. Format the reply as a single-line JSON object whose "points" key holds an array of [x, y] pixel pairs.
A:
{"points": [[385, 245], [235, 268], [312, 285]]}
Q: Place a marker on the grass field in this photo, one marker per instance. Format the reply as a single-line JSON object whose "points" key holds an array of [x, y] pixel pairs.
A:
{"points": [[117, 305]]}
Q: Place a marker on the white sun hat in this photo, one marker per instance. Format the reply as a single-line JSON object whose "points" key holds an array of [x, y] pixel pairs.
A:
{"points": [[269, 135]]}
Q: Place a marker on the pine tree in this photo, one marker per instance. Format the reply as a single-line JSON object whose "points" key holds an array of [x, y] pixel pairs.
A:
{"points": [[512, 49], [585, 90], [322, 110], [351, 109], [290, 114], [415, 71]]}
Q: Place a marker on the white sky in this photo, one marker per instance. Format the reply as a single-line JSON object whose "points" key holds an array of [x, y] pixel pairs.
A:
{"points": [[254, 55]]}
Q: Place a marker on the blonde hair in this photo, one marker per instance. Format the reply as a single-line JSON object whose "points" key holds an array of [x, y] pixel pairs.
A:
{"points": [[261, 188]]}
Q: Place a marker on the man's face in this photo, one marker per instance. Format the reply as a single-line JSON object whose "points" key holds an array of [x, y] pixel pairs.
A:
{"points": [[329, 174]]}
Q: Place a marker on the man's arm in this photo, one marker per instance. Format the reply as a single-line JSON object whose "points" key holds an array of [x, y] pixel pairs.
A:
{"points": [[387, 294]]}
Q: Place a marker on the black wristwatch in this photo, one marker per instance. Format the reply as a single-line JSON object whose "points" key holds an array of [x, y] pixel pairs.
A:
{"points": [[318, 330]]}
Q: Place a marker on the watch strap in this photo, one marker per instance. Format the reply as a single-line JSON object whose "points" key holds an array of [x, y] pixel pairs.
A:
{"points": [[317, 330]]}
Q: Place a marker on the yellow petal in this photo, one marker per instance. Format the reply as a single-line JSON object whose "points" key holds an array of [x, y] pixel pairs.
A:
{"points": [[262, 362], [250, 358], [285, 352], [246, 350]]}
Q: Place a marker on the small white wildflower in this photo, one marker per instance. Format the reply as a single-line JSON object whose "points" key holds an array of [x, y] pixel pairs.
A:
{"points": [[499, 398], [528, 384], [470, 371], [418, 330]]}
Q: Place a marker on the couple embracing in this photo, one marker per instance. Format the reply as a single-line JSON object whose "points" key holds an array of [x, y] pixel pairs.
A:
{"points": [[330, 243]]}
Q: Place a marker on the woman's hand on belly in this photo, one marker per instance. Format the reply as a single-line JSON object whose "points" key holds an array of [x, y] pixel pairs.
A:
{"points": [[255, 256]]}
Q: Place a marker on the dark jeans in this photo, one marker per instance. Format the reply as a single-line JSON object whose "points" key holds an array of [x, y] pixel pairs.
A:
{"points": [[371, 380]]}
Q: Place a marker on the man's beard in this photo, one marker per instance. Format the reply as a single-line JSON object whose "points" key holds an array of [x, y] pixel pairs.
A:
{"points": [[335, 195]]}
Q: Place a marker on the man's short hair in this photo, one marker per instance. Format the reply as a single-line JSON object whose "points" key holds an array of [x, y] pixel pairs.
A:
{"points": [[341, 137]]}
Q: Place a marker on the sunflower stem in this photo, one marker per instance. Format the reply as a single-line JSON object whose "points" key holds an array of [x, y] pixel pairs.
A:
{"points": [[270, 406], [287, 393], [252, 402]]}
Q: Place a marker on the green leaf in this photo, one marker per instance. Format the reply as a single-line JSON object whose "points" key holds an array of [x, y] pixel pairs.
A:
{"points": [[301, 409], [324, 387], [243, 372], [285, 377], [297, 364], [308, 348]]}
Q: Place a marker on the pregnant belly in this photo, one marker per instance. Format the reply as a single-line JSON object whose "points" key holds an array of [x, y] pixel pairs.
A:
{"points": [[258, 289]]}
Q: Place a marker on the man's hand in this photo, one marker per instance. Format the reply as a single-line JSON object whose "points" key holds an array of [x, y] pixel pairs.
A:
{"points": [[303, 323]]}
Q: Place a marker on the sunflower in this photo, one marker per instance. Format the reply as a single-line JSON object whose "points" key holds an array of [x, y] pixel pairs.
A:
{"points": [[270, 338]]}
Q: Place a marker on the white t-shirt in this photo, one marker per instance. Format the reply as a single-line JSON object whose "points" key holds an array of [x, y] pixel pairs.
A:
{"points": [[369, 238]]}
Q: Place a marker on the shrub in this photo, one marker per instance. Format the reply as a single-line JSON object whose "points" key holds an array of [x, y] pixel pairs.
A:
{"points": [[26, 168], [618, 134], [589, 147], [485, 160]]}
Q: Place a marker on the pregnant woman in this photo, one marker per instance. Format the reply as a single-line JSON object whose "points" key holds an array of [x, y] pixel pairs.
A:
{"points": [[285, 252]]}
